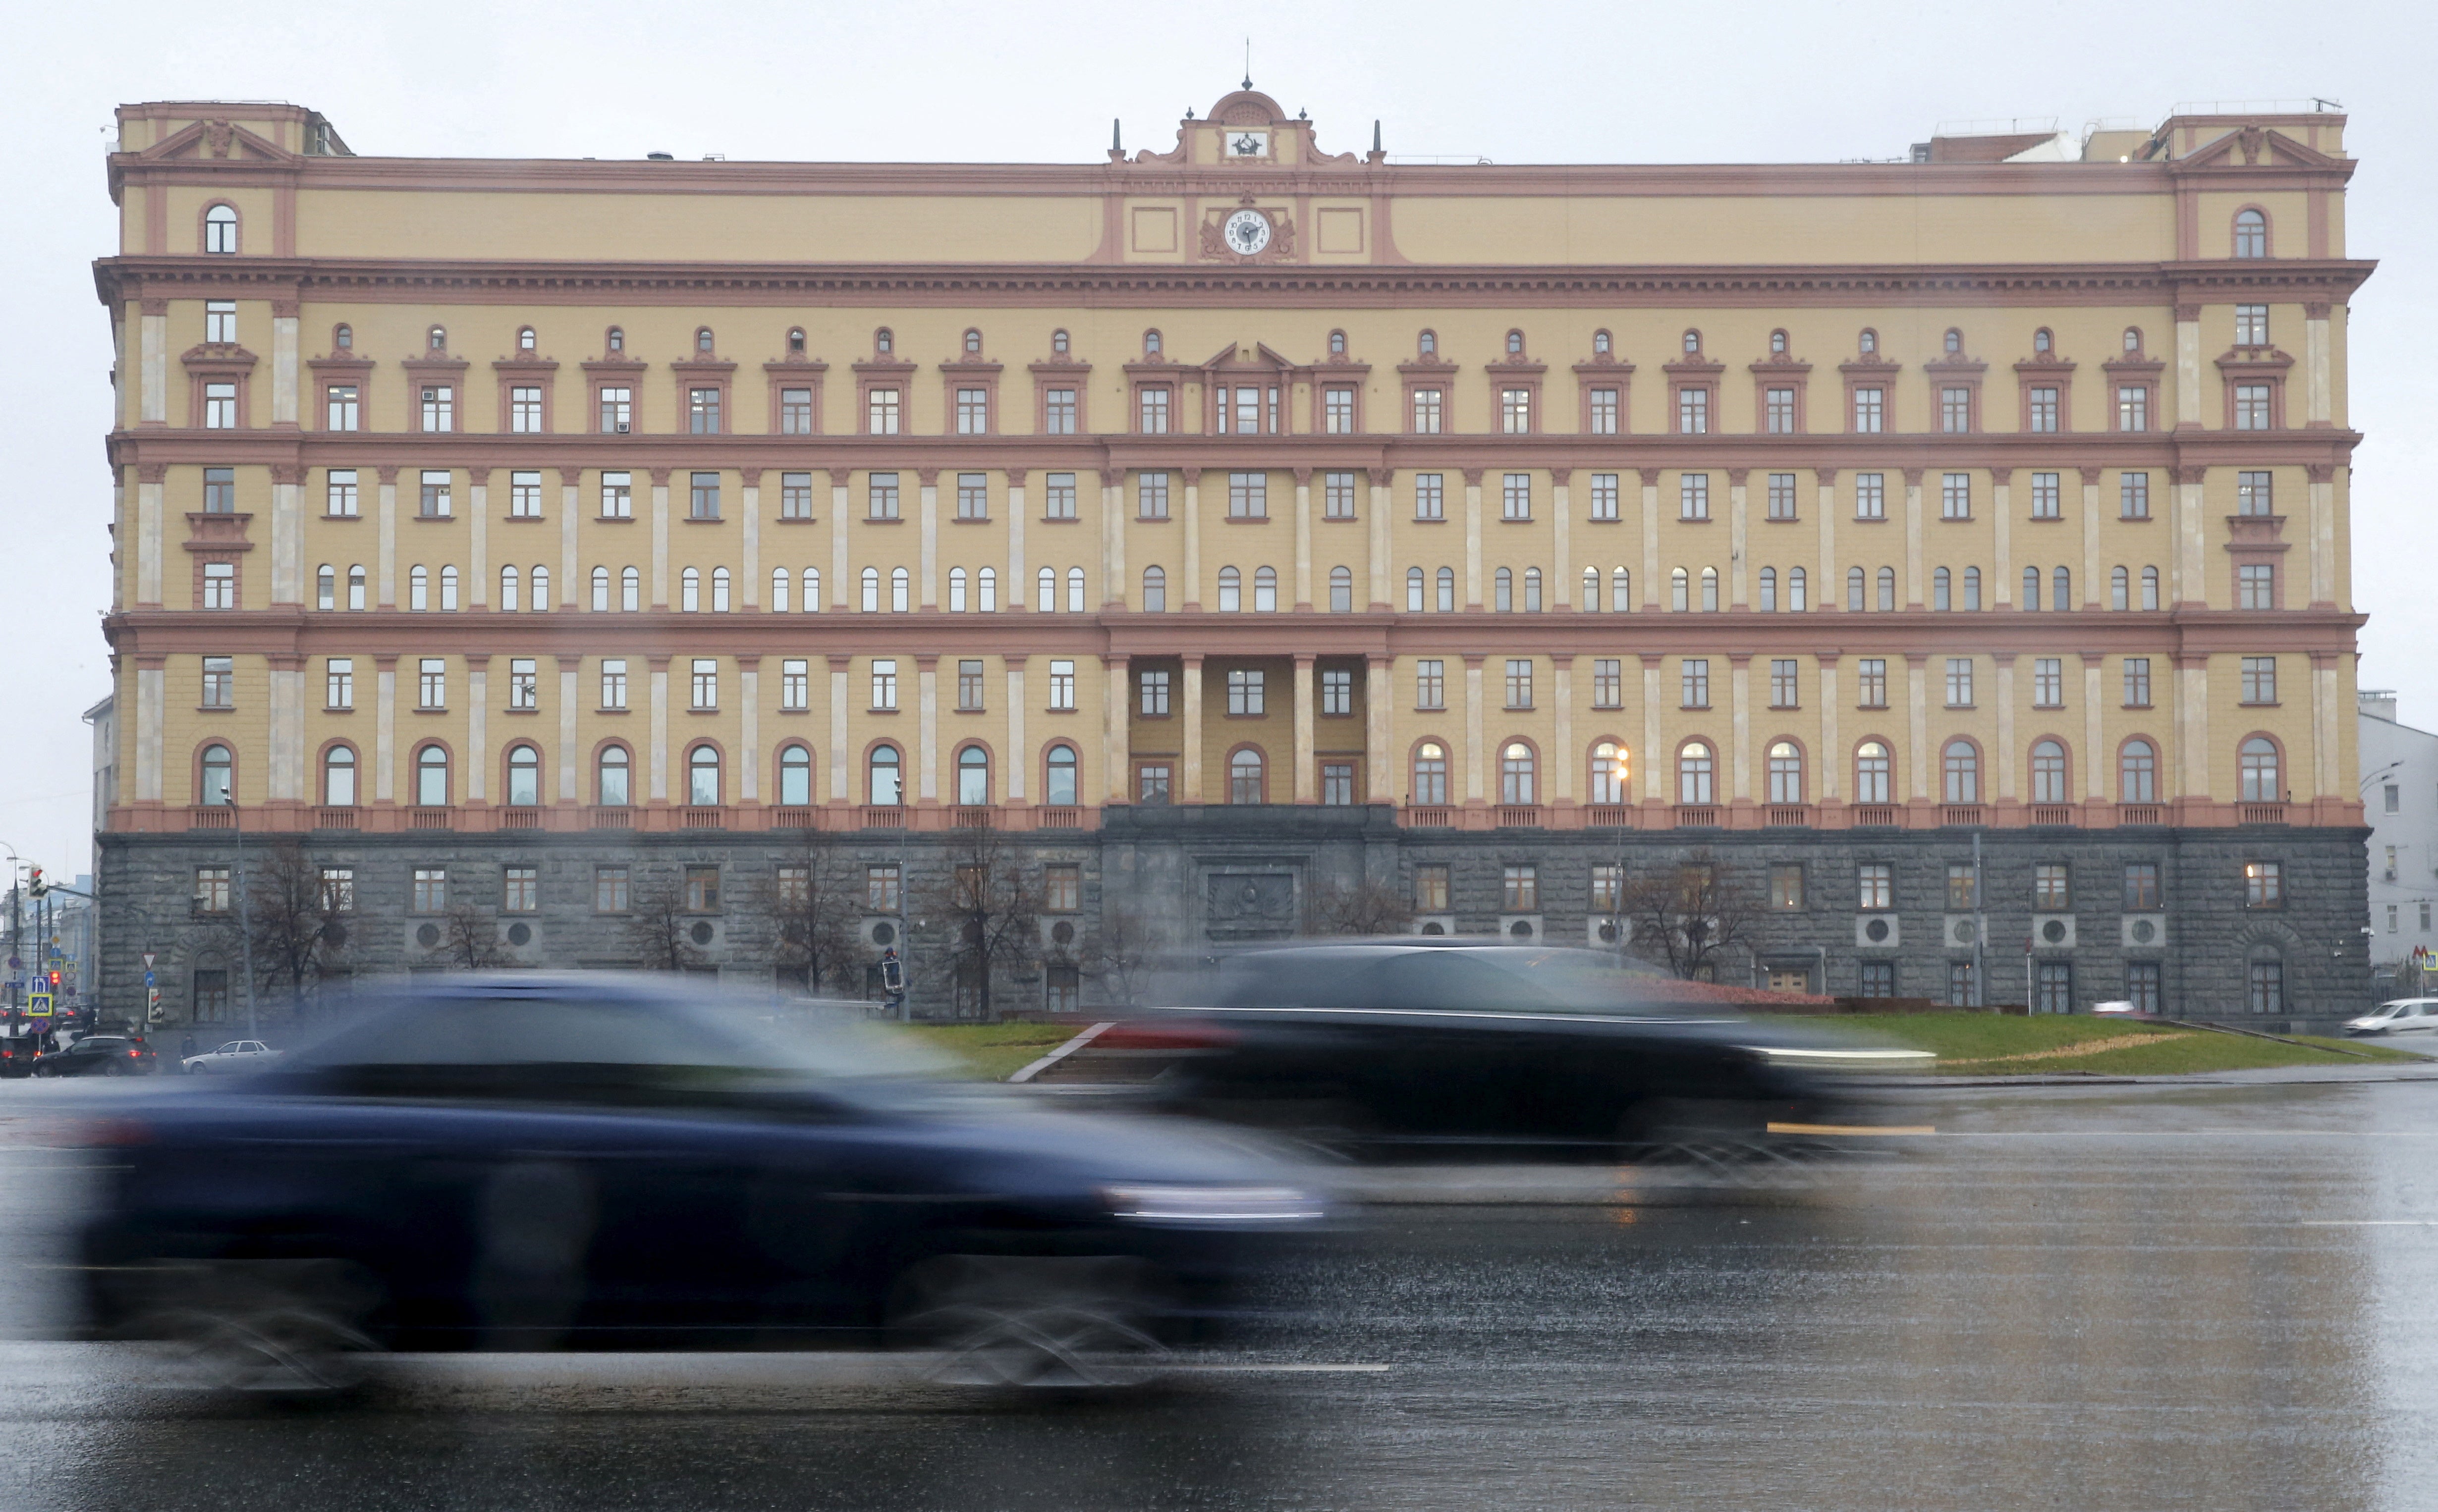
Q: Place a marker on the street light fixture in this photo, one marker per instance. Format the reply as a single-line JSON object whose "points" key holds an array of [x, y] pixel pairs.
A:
{"points": [[1624, 771]]}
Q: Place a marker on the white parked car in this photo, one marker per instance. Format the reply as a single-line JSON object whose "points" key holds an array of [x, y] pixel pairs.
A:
{"points": [[237, 1055], [2406, 1015]]}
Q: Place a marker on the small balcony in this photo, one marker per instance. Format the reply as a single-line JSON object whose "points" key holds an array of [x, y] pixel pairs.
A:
{"points": [[2128, 814], [2059, 815], [519, 818], [1697, 815], [1609, 816], [795, 817], [2260, 814], [1877, 815], [1059, 817], [884, 817], [613, 817], [431, 819], [1963, 816], [703, 817], [1431, 817], [211, 816], [971, 818], [1787, 816], [336, 818], [1519, 816]]}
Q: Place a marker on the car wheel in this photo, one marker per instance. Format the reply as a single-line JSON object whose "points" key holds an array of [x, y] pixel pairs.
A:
{"points": [[1034, 1323], [112, 1068], [294, 1329]]}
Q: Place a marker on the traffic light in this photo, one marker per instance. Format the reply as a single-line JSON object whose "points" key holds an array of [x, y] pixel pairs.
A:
{"points": [[893, 972], [37, 886], [55, 981]]}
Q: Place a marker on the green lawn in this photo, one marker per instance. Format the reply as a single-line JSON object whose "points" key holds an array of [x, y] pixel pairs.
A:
{"points": [[2004, 1044], [993, 1052]]}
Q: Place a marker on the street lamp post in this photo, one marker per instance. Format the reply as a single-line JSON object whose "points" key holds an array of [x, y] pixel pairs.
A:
{"points": [[1617, 885], [244, 917]]}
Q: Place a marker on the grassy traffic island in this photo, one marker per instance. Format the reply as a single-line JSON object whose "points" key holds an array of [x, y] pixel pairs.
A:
{"points": [[1966, 1045]]}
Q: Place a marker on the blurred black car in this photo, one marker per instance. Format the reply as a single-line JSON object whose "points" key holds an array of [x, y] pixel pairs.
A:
{"points": [[526, 1163], [98, 1055], [1404, 1047]]}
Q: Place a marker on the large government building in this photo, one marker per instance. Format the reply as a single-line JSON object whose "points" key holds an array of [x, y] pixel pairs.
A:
{"points": [[578, 563]]}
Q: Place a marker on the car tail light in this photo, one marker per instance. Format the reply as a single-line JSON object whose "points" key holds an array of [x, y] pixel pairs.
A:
{"points": [[1186, 1035], [134, 1054]]}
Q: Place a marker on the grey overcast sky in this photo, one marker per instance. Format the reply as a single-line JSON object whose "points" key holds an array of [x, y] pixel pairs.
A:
{"points": [[1520, 81]]}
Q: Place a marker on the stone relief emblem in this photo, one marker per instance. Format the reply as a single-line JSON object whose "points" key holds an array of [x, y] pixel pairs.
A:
{"points": [[1250, 905]]}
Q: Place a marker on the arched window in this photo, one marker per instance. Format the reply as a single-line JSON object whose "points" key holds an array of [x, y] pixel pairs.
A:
{"points": [[1797, 598], [1856, 588], [343, 338], [418, 589], [1611, 770], [1075, 589], [1337, 344], [901, 585], [610, 775], [1059, 344], [525, 338], [986, 590], [1785, 772], [1887, 589], [1973, 589], [1265, 590], [872, 590], [2048, 772], [219, 229], [1942, 589], [216, 767], [1155, 590], [883, 342], [2257, 760], [631, 589], [1447, 589], [702, 776], [325, 587], [1515, 343], [1532, 590], [1046, 590], [795, 776], [339, 777], [888, 775], [1952, 343], [525, 777], [779, 579], [2042, 341], [1341, 590], [1963, 764], [2149, 587], [702, 339], [1768, 591], [1694, 766], [1059, 791], [2133, 338], [538, 580], [1591, 590], [2137, 773], [2120, 588], [1680, 595], [1503, 590], [1151, 343], [1869, 344], [1244, 777], [2061, 585], [355, 587], [973, 342], [617, 339], [973, 776], [601, 589], [1429, 345], [718, 590], [1601, 344], [1430, 774], [1620, 590], [436, 339], [508, 580], [796, 341], [689, 590], [1417, 590], [1871, 772], [432, 777], [2031, 587], [1516, 774], [956, 591], [1692, 344], [1777, 343], [448, 587], [2251, 233]]}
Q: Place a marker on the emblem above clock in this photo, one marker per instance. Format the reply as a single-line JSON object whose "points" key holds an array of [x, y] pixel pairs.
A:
{"points": [[1232, 202]]}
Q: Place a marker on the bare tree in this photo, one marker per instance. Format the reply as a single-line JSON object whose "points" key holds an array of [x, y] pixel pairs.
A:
{"points": [[1119, 957], [470, 939], [1690, 916], [1367, 907], [812, 904], [659, 929], [296, 918], [989, 907]]}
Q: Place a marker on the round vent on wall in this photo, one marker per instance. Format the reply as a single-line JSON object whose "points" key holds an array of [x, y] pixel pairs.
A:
{"points": [[1876, 930], [1521, 929], [334, 934], [519, 934], [2053, 932], [701, 933], [2144, 931], [1964, 931], [1432, 930], [883, 934], [1062, 933], [1608, 934], [428, 936]]}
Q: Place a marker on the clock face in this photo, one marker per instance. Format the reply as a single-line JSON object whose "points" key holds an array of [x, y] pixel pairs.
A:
{"points": [[1248, 232], [1249, 144]]}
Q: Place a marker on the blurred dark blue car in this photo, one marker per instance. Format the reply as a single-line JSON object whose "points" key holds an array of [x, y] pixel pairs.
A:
{"points": [[527, 1163]]}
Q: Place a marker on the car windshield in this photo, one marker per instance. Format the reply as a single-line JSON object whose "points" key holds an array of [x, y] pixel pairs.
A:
{"points": [[1489, 978]]}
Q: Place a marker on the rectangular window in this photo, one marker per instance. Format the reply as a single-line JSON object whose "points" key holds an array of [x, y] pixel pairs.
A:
{"points": [[795, 412], [2133, 407], [704, 504], [1519, 682], [702, 890], [440, 407], [2134, 496], [2252, 406], [1955, 494], [1151, 784], [1152, 688], [617, 411], [1874, 886], [705, 682], [220, 406], [2141, 985], [1151, 496], [1058, 496], [1692, 412], [2137, 682], [1430, 685], [1249, 496], [1059, 413], [524, 683], [2255, 493], [1871, 682], [219, 585], [1963, 886], [973, 412], [219, 322], [2251, 325], [1337, 783], [702, 411], [431, 893], [1061, 685], [1061, 890], [1244, 691], [1515, 497], [1870, 496], [2044, 410], [340, 500], [1430, 889], [1955, 411], [1779, 412], [881, 414], [2260, 680], [211, 889], [1603, 496], [524, 410], [1871, 410], [1430, 496], [609, 890], [2255, 586], [973, 495], [1608, 887], [220, 682], [617, 496], [2048, 682], [1603, 412], [1337, 690], [1781, 496], [1515, 411], [220, 490], [2392, 797], [2054, 988], [614, 682], [2050, 892], [522, 891], [1608, 682], [1959, 682], [1151, 410], [339, 890], [1519, 888], [1426, 412], [1786, 887], [433, 502], [2047, 502], [1693, 496], [882, 890], [795, 497], [795, 686], [1337, 495], [524, 496], [1784, 690], [884, 683], [1337, 411], [344, 408], [2142, 888], [1693, 681], [880, 496], [338, 683]]}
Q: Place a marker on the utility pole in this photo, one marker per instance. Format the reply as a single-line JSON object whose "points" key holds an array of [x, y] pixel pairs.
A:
{"points": [[1980, 927], [244, 917]]}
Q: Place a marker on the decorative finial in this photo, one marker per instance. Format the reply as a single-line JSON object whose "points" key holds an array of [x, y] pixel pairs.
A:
{"points": [[1248, 63], [1300, 116], [1116, 144], [1375, 135], [1189, 113]]}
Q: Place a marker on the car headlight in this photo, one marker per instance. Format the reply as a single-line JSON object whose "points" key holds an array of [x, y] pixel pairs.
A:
{"points": [[1810, 1059], [1212, 1205]]}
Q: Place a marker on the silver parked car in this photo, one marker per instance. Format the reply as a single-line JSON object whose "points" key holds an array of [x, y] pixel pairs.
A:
{"points": [[2405, 1015], [237, 1055]]}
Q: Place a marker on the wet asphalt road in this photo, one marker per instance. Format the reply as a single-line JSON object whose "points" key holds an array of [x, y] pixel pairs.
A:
{"points": [[2216, 1297]]}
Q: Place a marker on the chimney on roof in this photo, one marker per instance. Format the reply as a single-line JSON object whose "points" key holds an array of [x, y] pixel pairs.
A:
{"points": [[2379, 703]]}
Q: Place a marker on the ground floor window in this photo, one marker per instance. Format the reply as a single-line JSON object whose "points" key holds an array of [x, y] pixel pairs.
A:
{"points": [[1064, 992], [211, 996], [2053, 987], [2141, 986], [2267, 993], [1879, 978], [1959, 984]]}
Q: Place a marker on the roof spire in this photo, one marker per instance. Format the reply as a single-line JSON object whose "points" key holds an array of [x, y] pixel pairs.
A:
{"points": [[1248, 63]]}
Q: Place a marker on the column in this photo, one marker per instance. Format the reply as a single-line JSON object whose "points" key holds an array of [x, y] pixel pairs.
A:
{"points": [[385, 730], [122, 529], [661, 537], [841, 759], [2095, 758], [928, 480], [2192, 724], [1473, 539], [1476, 788], [149, 532], [1919, 761], [657, 755], [570, 669], [1563, 758], [285, 770], [2005, 661], [748, 728], [2093, 594], [155, 341], [1654, 595], [2323, 526], [283, 363], [1115, 749], [478, 750], [1192, 595], [841, 592], [1831, 756], [1189, 762], [1307, 785], [1019, 755], [1565, 592], [1739, 502], [1913, 538], [387, 524], [1829, 593], [1655, 761], [2188, 365], [478, 527], [750, 592], [2192, 527], [926, 676], [1019, 589], [1303, 547], [1113, 539], [151, 708], [2325, 757], [1381, 568], [571, 500], [1739, 728], [2317, 386], [2002, 500], [1378, 732]]}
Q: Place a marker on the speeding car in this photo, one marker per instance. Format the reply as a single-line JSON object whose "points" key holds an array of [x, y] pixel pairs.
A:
{"points": [[491, 1163]]}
